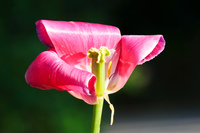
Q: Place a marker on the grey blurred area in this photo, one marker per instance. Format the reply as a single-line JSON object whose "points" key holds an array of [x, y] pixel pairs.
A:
{"points": [[189, 125], [157, 118]]}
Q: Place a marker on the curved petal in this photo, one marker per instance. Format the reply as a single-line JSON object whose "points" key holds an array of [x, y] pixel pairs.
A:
{"points": [[48, 71], [74, 39], [135, 50]]}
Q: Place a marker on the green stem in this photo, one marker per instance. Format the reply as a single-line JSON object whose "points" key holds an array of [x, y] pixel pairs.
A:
{"points": [[96, 118]]}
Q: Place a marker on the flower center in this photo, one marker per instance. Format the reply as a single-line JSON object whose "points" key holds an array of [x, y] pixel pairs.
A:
{"points": [[98, 69]]}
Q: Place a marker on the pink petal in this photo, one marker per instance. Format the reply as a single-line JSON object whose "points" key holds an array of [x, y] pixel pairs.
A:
{"points": [[72, 40], [48, 71], [134, 50]]}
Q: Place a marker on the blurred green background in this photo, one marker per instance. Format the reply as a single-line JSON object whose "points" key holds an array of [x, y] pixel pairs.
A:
{"points": [[169, 82]]}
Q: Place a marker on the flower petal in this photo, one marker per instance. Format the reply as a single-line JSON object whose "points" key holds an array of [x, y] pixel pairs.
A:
{"points": [[74, 39], [135, 50], [48, 71]]}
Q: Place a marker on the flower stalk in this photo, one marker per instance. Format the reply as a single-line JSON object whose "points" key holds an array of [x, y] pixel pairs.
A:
{"points": [[96, 117], [98, 69]]}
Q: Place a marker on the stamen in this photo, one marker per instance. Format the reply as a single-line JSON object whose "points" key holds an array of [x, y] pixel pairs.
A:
{"points": [[109, 69], [90, 64], [112, 113], [111, 108]]}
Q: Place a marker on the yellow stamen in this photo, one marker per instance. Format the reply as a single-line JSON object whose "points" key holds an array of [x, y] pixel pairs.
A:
{"points": [[109, 69], [111, 108], [90, 64]]}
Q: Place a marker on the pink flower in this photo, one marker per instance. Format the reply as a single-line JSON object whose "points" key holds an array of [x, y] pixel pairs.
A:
{"points": [[66, 67]]}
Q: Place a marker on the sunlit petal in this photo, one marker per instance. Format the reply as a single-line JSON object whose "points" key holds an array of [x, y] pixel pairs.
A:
{"points": [[72, 40]]}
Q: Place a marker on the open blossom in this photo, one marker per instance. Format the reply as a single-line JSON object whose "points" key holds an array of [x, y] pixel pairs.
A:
{"points": [[65, 66]]}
